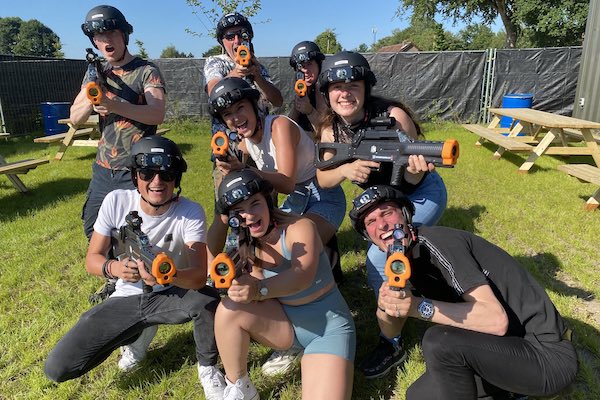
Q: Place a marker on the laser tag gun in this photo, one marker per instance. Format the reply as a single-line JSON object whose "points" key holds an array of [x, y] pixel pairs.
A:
{"points": [[300, 86], [234, 261], [243, 55], [397, 266], [129, 240], [224, 146], [379, 142], [94, 88]]}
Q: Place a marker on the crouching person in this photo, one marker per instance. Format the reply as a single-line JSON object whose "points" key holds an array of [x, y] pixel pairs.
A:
{"points": [[129, 318], [497, 333], [288, 298]]}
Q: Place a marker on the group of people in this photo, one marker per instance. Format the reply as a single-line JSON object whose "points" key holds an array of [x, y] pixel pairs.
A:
{"points": [[496, 332]]}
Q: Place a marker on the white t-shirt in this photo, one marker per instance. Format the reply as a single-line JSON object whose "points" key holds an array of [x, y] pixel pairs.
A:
{"points": [[184, 222], [265, 157]]}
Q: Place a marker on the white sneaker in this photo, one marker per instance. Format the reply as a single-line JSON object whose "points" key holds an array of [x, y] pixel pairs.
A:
{"points": [[281, 362], [243, 389], [212, 381], [133, 353]]}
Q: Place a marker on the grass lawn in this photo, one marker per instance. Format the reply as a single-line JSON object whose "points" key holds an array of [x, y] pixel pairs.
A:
{"points": [[538, 218]]}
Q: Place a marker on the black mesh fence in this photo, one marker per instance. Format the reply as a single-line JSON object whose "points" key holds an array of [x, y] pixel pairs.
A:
{"points": [[436, 85]]}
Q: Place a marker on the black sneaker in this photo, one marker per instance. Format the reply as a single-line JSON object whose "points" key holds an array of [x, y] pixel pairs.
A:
{"points": [[385, 357], [103, 292]]}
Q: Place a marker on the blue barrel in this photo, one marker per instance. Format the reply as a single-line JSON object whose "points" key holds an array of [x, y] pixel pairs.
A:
{"points": [[51, 113], [515, 100]]}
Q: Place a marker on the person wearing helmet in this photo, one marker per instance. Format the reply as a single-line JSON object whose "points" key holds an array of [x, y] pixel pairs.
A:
{"points": [[346, 81], [132, 105], [130, 317], [496, 330], [289, 298], [306, 60], [232, 30], [283, 154]]}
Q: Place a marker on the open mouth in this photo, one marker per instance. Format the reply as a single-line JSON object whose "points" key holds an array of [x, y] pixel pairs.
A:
{"points": [[254, 226], [109, 49]]}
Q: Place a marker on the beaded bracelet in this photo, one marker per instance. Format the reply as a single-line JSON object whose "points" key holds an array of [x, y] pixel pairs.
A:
{"points": [[106, 269]]}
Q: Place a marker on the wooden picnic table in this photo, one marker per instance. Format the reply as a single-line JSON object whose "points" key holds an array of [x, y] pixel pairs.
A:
{"points": [[19, 167], [548, 131], [77, 134]]}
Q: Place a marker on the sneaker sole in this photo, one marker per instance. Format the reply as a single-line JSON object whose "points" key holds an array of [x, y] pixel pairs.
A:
{"points": [[385, 372]]}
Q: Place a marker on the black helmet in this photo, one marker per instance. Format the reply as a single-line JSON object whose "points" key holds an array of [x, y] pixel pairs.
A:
{"points": [[346, 66], [230, 20], [240, 185], [158, 153], [228, 91], [305, 51], [105, 18], [374, 196]]}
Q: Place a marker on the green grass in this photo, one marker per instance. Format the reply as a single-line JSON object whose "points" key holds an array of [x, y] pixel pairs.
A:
{"points": [[537, 217]]}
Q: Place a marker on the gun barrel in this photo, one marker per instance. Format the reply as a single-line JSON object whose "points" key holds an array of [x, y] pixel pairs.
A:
{"points": [[220, 144], [242, 55], [397, 270], [223, 269], [439, 153], [300, 87], [93, 92]]}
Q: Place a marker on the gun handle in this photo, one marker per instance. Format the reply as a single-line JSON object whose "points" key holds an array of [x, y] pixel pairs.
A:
{"points": [[242, 55], [397, 279], [220, 144], [222, 271], [93, 92], [300, 87], [163, 269]]}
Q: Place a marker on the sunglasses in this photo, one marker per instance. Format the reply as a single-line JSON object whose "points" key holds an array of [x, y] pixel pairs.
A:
{"points": [[241, 33], [149, 174]]}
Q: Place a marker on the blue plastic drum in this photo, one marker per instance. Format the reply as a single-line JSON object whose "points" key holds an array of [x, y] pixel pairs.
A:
{"points": [[515, 100], [51, 113]]}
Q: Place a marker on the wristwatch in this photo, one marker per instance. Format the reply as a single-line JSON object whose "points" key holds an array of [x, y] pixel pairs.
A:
{"points": [[426, 309], [263, 290]]}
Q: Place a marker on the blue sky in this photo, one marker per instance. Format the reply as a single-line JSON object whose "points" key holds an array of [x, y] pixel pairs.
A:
{"points": [[159, 24]]}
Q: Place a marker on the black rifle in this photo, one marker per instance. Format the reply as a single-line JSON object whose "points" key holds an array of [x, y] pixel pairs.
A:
{"points": [[235, 260], [94, 87], [379, 142], [129, 240]]}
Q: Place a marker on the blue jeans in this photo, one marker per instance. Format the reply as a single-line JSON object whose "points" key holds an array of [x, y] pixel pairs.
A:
{"points": [[430, 199], [309, 197], [103, 181], [120, 320]]}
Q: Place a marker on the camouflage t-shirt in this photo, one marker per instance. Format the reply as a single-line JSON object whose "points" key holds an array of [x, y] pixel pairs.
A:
{"points": [[217, 67], [125, 84]]}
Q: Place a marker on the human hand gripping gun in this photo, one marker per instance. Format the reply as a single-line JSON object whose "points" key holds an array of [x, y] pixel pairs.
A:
{"points": [[224, 146], [235, 260], [397, 266], [130, 241], [379, 142], [93, 89]]}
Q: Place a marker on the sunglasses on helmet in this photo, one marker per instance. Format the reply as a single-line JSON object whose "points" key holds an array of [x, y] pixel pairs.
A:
{"points": [[366, 199], [147, 175], [156, 161], [99, 26], [243, 34], [240, 193], [226, 99]]}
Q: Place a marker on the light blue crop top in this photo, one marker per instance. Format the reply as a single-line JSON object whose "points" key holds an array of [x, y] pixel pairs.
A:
{"points": [[323, 277]]}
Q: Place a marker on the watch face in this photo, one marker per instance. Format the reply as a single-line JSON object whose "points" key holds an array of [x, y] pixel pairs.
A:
{"points": [[426, 309], [264, 291]]}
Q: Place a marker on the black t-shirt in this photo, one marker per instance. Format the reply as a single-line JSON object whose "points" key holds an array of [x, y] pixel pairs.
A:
{"points": [[448, 262]]}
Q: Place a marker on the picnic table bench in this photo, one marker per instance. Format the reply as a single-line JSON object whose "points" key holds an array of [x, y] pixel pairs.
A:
{"points": [[505, 142], [19, 167], [585, 173]]}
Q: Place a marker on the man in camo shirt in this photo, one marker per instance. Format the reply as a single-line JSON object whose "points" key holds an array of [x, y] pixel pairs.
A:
{"points": [[131, 106]]}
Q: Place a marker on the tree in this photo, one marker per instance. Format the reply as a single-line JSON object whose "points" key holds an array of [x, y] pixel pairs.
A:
{"points": [[28, 38], [213, 51], [534, 17], [327, 42], [172, 52], [209, 16], [479, 37], [362, 48], [142, 53]]}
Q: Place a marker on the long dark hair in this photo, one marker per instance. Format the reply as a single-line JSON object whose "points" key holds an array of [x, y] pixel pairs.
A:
{"points": [[374, 106]]}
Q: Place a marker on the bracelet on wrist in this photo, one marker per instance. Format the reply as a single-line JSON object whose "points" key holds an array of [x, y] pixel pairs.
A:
{"points": [[106, 269]]}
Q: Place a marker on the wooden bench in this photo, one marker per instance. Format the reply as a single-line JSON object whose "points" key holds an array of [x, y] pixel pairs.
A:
{"points": [[19, 167], [94, 142], [576, 134], [505, 142], [585, 173], [60, 136]]}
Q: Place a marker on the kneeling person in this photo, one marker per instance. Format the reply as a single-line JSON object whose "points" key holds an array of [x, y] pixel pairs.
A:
{"points": [[497, 331], [174, 225]]}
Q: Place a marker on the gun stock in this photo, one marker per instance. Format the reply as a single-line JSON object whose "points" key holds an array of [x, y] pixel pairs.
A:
{"points": [[131, 241]]}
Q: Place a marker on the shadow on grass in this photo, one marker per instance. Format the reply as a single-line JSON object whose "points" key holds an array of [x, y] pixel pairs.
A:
{"points": [[514, 158], [547, 267], [462, 218], [38, 198]]}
